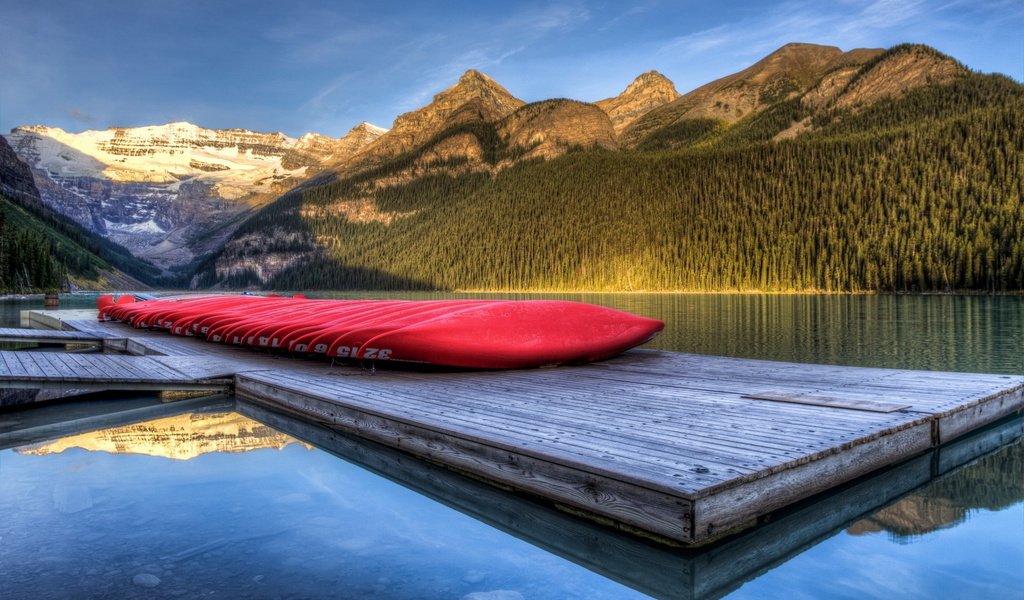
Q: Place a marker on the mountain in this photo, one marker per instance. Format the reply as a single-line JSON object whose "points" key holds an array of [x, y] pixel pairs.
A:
{"points": [[171, 192], [549, 129], [788, 72], [647, 92], [15, 176], [475, 126], [475, 98], [40, 249], [813, 169]]}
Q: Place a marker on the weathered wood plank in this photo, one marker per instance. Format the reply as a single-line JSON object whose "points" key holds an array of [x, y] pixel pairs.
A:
{"points": [[53, 367], [953, 424], [51, 336], [724, 509], [829, 401], [690, 424], [36, 369], [64, 370], [12, 365], [648, 441]]}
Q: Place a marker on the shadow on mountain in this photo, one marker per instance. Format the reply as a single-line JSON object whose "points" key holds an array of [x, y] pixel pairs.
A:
{"points": [[324, 273], [264, 249]]}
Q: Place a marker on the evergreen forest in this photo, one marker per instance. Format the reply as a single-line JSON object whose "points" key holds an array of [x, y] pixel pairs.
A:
{"points": [[922, 193], [44, 250], [27, 263]]}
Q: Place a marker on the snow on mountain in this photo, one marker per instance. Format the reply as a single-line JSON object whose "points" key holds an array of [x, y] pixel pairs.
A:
{"points": [[161, 190], [160, 154]]}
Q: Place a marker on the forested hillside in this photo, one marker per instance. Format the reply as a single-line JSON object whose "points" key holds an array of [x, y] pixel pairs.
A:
{"points": [[42, 250], [26, 262], [916, 191]]}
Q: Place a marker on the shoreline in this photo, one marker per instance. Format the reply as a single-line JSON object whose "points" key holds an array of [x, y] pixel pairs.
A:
{"points": [[1013, 293]]}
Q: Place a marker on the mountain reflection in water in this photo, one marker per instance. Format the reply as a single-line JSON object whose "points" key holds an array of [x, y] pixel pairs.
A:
{"points": [[181, 437], [104, 514], [991, 483]]}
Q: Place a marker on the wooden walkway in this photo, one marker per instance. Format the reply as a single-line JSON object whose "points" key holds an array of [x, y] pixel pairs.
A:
{"points": [[49, 336], [681, 447], [662, 442], [107, 372]]}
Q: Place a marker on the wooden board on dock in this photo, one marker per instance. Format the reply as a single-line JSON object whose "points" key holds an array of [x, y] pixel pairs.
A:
{"points": [[20, 369], [52, 336], [665, 443]]}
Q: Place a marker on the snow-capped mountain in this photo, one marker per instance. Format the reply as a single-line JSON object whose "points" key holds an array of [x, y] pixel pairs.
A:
{"points": [[171, 192]]}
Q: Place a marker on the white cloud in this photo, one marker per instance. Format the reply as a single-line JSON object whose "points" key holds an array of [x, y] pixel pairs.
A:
{"points": [[319, 102]]}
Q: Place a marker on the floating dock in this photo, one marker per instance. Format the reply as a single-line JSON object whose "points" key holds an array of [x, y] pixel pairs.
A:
{"points": [[679, 447], [657, 570]]}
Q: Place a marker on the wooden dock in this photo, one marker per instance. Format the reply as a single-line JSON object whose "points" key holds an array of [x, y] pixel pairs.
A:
{"points": [[656, 570], [683, 448], [33, 370], [58, 337]]}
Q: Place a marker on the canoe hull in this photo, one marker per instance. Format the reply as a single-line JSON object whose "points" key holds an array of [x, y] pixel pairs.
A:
{"points": [[481, 334]]}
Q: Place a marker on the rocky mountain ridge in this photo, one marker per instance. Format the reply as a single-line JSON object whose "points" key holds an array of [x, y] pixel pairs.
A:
{"points": [[16, 180], [788, 72], [474, 98], [170, 192], [87, 260], [477, 128], [645, 93]]}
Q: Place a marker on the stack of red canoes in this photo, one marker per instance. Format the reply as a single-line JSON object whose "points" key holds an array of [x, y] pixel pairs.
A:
{"points": [[486, 334]]}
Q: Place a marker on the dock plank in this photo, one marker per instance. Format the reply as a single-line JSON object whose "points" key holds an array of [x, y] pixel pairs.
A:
{"points": [[832, 401], [62, 370], [43, 336], [36, 367]]}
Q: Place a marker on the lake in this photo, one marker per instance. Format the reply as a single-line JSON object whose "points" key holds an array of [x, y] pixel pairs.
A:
{"points": [[130, 497]]}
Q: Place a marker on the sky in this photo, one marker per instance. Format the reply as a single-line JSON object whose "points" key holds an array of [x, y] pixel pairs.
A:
{"points": [[326, 65]]}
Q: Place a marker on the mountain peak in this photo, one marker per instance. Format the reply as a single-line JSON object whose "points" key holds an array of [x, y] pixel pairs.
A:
{"points": [[651, 80], [648, 91], [474, 75], [367, 127], [475, 83], [141, 170], [475, 97], [897, 71], [792, 47], [786, 73]]}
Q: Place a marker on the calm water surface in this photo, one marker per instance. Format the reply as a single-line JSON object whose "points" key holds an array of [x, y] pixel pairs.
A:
{"points": [[208, 502]]}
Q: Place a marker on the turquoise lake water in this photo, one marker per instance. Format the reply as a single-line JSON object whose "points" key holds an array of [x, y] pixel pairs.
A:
{"points": [[215, 500]]}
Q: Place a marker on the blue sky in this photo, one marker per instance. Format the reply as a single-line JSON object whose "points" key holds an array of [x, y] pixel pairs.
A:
{"points": [[324, 66]]}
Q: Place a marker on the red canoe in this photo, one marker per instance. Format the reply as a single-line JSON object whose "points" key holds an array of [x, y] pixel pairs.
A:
{"points": [[482, 334]]}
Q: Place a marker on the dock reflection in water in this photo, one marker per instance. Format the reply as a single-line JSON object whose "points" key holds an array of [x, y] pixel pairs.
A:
{"points": [[249, 508]]}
